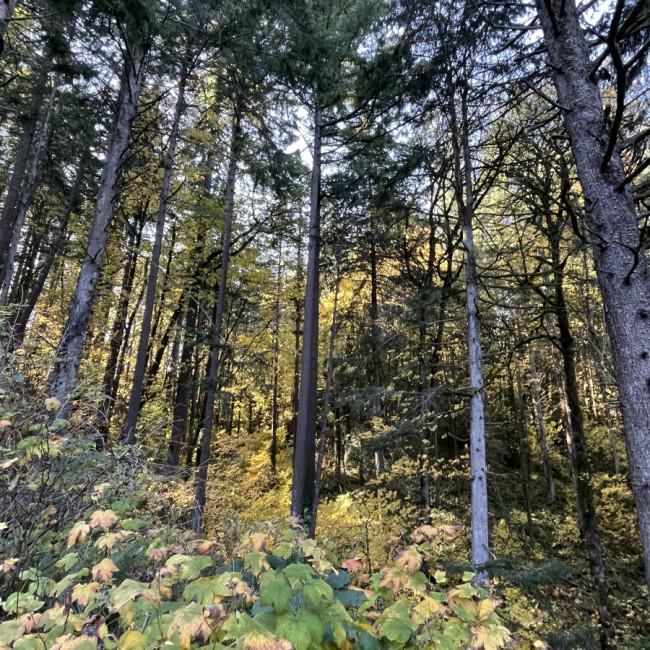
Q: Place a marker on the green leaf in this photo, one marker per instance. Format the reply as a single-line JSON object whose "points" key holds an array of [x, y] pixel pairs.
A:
{"points": [[21, 603], [338, 580], [277, 593], [350, 597], [316, 591], [130, 590], [302, 628], [133, 640], [189, 567], [133, 524], [10, 631], [30, 642], [298, 574], [397, 630], [68, 561], [283, 550], [418, 581], [466, 591], [467, 576]]}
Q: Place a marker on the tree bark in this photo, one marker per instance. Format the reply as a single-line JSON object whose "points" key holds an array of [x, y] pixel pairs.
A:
{"points": [[128, 433], [374, 333], [295, 393], [302, 483], [619, 256], [273, 450], [183, 390], [30, 122], [202, 474], [524, 450], [326, 401], [68, 357], [478, 460], [25, 199], [118, 331], [25, 312], [547, 468], [579, 451]]}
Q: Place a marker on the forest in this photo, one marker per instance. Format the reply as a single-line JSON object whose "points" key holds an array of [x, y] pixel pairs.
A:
{"points": [[324, 324]]}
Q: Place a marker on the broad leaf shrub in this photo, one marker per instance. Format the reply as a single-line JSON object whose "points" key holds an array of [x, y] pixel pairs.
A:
{"points": [[114, 580]]}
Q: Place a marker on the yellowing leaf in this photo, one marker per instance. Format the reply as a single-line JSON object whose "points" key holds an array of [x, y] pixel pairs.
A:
{"points": [[259, 541], [104, 570], [425, 534], [190, 623], [9, 565], [52, 404], [409, 559], [486, 608], [83, 593], [133, 640], [489, 638], [103, 518], [78, 533]]}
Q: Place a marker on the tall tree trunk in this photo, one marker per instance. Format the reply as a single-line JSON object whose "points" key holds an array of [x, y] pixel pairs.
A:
{"points": [[610, 418], [202, 474], [183, 397], [30, 122], [425, 444], [297, 331], [547, 468], [621, 265], [273, 450], [302, 483], [584, 492], [524, 450], [478, 460], [25, 199], [128, 433], [68, 358], [25, 312], [119, 326], [374, 333], [326, 399]]}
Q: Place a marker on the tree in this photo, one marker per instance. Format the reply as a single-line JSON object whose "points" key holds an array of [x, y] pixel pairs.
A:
{"points": [[136, 36], [610, 217]]}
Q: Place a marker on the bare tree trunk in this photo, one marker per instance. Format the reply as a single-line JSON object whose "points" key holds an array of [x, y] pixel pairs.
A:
{"points": [[128, 433], [22, 319], [374, 332], [580, 452], [610, 418], [187, 370], [30, 121], [202, 474], [621, 265], [25, 199], [295, 393], [425, 444], [68, 358], [478, 460], [273, 451], [119, 327], [524, 450], [326, 399], [302, 483], [541, 427]]}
